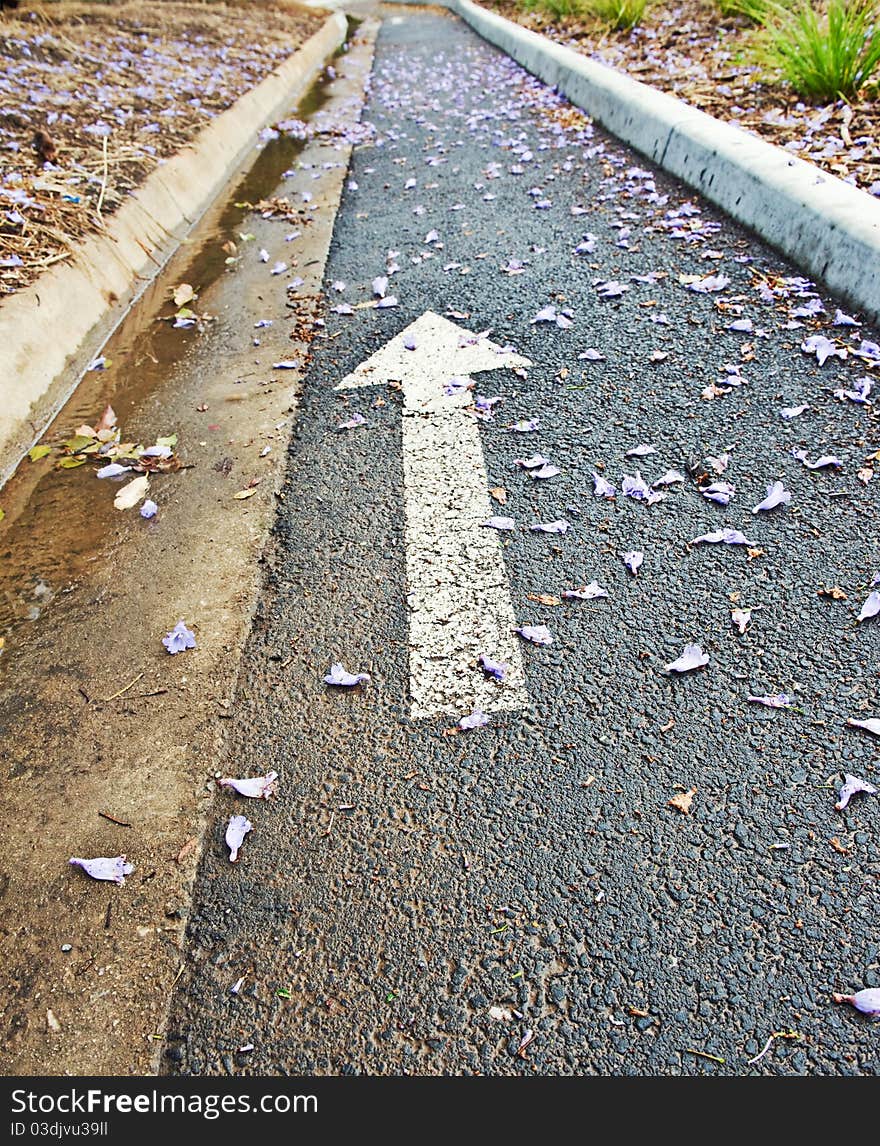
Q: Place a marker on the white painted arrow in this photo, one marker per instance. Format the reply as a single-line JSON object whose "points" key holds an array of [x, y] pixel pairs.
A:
{"points": [[459, 598]]}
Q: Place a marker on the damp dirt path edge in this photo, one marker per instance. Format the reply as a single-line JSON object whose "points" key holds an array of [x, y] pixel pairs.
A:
{"points": [[47, 343], [108, 745]]}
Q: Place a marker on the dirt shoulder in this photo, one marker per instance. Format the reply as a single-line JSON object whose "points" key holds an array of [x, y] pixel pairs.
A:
{"points": [[95, 96]]}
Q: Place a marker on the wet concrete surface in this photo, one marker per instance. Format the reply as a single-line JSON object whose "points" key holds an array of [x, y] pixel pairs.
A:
{"points": [[524, 899], [108, 743]]}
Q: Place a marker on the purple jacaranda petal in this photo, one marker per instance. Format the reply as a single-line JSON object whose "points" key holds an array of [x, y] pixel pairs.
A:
{"points": [[264, 255], [545, 471], [742, 617], [457, 385], [640, 451], [587, 245], [182, 322], [611, 289], [718, 465], [872, 724], [875, 580], [476, 719], [237, 828], [725, 536], [279, 268], [536, 634], [526, 426], [533, 463], [432, 237], [635, 487], [633, 559], [409, 343], [114, 469], [823, 348], [841, 319], [669, 478], [338, 675], [871, 606], [385, 303], [867, 1001], [560, 526], [149, 509], [793, 411], [719, 491], [601, 487], [777, 494], [179, 639], [513, 267], [256, 787], [852, 785], [741, 326], [111, 868], [483, 406], [781, 700], [692, 657], [162, 452], [286, 364], [585, 593], [351, 423], [709, 284], [810, 309], [591, 354], [496, 669], [546, 314], [498, 523], [342, 308], [338, 285], [98, 363], [380, 286], [820, 463], [860, 392]]}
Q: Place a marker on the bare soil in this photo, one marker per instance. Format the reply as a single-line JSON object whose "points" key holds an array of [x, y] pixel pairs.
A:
{"points": [[93, 96], [691, 51]]}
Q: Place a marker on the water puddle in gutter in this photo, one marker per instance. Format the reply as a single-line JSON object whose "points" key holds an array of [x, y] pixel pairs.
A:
{"points": [[53, 532]]}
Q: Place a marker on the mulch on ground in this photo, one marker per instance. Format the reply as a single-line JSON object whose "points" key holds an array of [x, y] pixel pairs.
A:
{"points": [[692, 52], [93, 96]]}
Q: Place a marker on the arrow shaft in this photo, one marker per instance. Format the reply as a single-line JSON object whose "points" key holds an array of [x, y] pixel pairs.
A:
{"points": [[459, 597]]}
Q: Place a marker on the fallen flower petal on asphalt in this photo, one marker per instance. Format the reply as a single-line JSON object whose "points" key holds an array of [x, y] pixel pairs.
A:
{"points": [[692, 657], [114, 868], [524, 427], [179, 639], [793, 411], [257, 787], [237, 828], [781, 700], [536, 634], [550, 527], [545, 471], [534, 462], [669, 478], [852, 785], [823, 348], [352, 422], [820, 463], [871, 606], [719, 491], [338, 675], [114, 469], [741, 618], [476, 719], [601, 487], [640, 451], [495, 669], [777, 494], [633, 559], [870, 725], [149, 509], [725, 536], [498, 523], [867, 1001], [587, 593]]}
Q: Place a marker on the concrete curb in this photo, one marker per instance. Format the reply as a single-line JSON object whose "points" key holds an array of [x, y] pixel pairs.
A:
{"points": [[827, 227], [50, 331]]}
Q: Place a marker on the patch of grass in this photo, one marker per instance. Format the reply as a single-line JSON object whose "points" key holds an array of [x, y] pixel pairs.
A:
{"points": [[824, 55], [754, 11], [559, 9], [618, 14]]}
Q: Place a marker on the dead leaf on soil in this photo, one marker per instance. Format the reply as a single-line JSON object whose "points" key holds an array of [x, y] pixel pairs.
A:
{"points": [[243, 493], [544, 598], [834, 592]]}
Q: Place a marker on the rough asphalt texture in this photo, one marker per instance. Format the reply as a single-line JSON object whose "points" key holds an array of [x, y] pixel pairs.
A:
{"points": [[429, 902]]}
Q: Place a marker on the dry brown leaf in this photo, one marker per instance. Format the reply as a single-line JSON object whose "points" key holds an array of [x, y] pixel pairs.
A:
{"points": [[108, 420], [838, 846], [835, 592], [131, 493], [753, 553], [544, 598], [183, 294], [499, 493], [683, 800], [243, 493], [670, 724], [865, 475], [186, 850]]}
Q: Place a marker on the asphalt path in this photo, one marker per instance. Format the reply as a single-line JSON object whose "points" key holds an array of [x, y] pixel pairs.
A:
{"points": [[642, 871]]}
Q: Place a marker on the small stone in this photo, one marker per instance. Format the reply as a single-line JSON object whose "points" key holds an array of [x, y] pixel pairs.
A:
{"points": [[65, 947]]}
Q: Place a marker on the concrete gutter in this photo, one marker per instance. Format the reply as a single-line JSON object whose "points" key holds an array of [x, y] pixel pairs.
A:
{"points": [[50, 331], [827, 227]]}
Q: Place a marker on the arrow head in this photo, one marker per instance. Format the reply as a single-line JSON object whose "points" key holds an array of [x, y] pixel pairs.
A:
{"points": [[440, 349]]}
